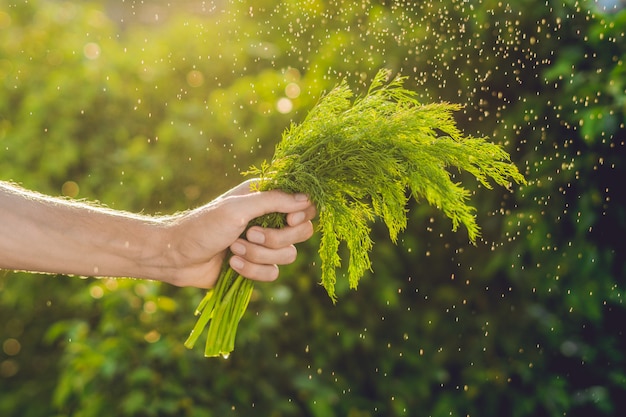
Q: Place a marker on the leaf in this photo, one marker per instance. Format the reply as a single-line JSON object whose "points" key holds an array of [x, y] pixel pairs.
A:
{"points": [[356, 160]]}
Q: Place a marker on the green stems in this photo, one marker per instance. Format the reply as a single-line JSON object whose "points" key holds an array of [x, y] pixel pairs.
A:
{"points": [[221, 309], [223, 306]]}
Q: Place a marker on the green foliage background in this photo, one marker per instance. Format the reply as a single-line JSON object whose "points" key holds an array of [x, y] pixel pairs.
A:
{"points": [[158, 108]]}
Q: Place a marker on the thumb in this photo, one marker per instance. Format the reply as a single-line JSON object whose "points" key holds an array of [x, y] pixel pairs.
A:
{"points": [[259, 203]]}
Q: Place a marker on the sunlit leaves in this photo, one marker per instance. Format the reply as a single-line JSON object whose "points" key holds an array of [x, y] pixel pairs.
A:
{"points": [[357, 158]]}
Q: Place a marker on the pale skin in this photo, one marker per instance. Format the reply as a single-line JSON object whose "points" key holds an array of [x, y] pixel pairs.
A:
{"points": [[53, 235]]}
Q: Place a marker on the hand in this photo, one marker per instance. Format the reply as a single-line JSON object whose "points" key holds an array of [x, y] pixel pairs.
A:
{"points": [[198, 241]]}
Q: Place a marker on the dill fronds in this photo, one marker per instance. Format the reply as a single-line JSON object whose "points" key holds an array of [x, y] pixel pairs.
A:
{"points": [[356, 158]]}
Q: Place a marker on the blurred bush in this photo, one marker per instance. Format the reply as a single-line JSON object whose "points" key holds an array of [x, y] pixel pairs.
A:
{"points": [[157, 108]]}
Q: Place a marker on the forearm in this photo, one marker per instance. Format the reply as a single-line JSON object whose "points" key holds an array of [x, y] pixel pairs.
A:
{"points": [[43, 234]]}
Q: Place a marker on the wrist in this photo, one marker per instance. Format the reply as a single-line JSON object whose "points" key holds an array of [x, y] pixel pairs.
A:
{"points": [[155, 260]]}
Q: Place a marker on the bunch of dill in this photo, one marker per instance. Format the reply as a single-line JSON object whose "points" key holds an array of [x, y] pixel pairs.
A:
{"points": [[356, 158]]}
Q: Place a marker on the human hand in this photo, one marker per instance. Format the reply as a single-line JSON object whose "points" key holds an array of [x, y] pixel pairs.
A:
{"points": [[198, 241]]}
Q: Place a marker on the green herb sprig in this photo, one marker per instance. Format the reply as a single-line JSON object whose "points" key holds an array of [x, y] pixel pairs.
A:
{"points": [[356, 158]]}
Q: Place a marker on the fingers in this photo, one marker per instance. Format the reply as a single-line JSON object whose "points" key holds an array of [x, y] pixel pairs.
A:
{"points": [[246, 203], [278, 238], [309, 213], [259, 262], [257, 256], [254, 271], [256, 204], [263, 255]]}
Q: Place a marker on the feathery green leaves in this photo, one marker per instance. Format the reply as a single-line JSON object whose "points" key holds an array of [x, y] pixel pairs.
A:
{"points": [[362, 158], [357, 158]]}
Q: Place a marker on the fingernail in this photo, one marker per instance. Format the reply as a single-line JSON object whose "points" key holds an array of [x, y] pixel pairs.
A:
{"points": [[238, 248], [301, 197], [255, 236], [236, 263]]}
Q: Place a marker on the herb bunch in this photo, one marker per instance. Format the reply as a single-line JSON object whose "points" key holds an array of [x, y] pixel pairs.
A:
{"points": [[360, 159]]}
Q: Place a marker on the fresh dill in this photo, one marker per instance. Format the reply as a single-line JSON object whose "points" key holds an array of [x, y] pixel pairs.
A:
{"points": [[356, 158]]}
